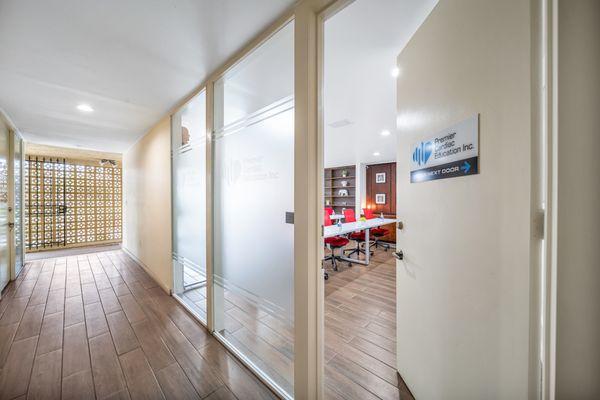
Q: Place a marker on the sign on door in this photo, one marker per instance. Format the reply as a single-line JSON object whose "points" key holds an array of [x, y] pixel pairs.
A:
{"points": [[451, 153]]}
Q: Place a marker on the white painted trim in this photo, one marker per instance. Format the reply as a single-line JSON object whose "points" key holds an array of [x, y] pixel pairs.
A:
{"points": [[552, 194]]}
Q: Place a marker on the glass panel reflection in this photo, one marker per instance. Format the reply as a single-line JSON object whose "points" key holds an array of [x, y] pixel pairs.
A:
{"points": [[188, 144], [253, 191]]}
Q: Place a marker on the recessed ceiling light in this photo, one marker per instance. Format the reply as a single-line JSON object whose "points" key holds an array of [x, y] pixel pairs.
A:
{"points": [[395, 72], [385, 132], [85, 107], [376, 154]]}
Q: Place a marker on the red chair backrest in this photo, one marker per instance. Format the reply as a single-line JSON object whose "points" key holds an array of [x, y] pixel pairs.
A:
{"points": [[326, 219], [369, 214], [329, 210], [349, 215]]}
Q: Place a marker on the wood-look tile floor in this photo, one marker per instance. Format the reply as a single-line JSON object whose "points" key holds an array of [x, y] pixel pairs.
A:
{"points": [[360, 332], [97, 326]]}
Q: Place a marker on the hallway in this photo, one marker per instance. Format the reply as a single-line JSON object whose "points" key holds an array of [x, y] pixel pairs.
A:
{"points": [[97, 326]]}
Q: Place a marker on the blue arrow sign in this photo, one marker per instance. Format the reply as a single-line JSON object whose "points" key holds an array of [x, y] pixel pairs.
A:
{"points": [[466, 167]]}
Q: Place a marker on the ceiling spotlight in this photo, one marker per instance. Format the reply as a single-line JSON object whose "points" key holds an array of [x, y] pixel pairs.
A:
{"points": [[85, 108], [395, 72], [376, 154], [385, 132]]}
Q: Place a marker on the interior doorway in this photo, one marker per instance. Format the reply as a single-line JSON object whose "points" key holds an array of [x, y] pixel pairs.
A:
{"points": [[360, 42]]}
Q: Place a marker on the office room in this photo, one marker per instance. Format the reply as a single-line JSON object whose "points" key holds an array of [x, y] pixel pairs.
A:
{"points": [[359, 194]]}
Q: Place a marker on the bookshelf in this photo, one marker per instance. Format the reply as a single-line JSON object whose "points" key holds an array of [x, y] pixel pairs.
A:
{"points": [[340, 188]]}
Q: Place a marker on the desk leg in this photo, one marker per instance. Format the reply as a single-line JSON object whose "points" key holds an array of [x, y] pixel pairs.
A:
{"points": [[367, 253], [367, 247]]}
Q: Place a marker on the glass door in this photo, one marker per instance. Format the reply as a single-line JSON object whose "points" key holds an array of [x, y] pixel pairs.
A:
{"points": [[188, 146], [18, 202], [4, 217], [253, 231]]}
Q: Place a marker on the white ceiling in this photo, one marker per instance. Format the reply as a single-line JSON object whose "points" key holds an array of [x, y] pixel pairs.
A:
{"points": [[131, 60], [362, 42]]}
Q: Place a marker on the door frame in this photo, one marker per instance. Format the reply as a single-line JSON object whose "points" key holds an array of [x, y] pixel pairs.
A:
{"points": [[542, 340], [14, 138], [12, 132]]}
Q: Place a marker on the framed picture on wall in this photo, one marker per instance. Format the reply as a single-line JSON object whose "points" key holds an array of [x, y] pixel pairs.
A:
{"points": [[380, 198], [380, 177]]}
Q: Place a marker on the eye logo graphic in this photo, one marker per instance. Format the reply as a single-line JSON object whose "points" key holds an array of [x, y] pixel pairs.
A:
{"points": [[422, 152]]}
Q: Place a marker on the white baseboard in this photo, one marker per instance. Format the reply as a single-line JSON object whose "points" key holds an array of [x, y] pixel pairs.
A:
{"points": [[148, 270]]}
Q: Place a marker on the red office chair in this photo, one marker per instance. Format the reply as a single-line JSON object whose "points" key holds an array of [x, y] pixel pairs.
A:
{"points": [[329, 210], [358, 236], [376, 232], [334, 242]]}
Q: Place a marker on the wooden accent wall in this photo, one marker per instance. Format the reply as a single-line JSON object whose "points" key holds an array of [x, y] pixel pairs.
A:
{"points": [[388, 188]]}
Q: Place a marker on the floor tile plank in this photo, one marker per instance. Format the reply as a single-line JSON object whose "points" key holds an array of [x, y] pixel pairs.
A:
{"points": [[76, 353], [31, 322], [158, 355], [106, 369], [51, 334], [79, 386], [122, 333], [109, 300], [175, 384], [55, 302], [89, 293], [221, 394], [241, 382], [45, 378], [74, 313], [14, 379], [95, 320], [131, 308], [141, 382], [7, 334], [14, 312]]}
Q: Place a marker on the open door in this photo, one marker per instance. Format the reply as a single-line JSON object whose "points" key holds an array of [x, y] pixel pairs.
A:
{"points": [[464, 288]]}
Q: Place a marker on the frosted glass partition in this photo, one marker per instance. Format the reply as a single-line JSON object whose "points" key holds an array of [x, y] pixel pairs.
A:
{"points": [[188, 144], [253, 193], [18, 172]]}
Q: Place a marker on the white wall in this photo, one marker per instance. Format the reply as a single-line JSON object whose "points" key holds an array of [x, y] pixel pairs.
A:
{"points": [[147, 202], [578, 222], [463, 291]]}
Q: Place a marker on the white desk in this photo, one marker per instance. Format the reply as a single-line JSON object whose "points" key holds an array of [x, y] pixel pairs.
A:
{"points": [[335, 217], [334, 230]]}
